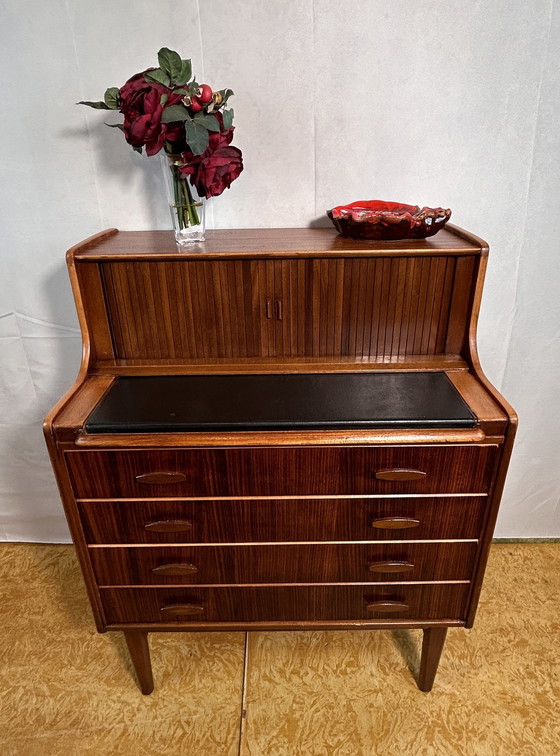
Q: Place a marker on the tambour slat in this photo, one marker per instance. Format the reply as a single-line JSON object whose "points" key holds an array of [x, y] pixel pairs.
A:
{"points": [[239, 309]]}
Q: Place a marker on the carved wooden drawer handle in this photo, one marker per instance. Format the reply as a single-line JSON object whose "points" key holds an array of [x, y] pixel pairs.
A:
{"points": [[387, 606], [399, 474], [395, 523], [168, 526], [390, 567], [159, 478], [180, 609], [175, 569]]}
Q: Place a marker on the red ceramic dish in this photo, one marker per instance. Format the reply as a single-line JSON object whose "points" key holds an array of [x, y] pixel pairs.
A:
{"points": [[375, 219]]}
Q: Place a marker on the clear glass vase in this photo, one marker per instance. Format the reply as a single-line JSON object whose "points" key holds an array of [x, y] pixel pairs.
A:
{"points": [[187, 208]]}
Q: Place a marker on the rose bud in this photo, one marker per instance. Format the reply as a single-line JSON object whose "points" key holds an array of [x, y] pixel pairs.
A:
{"points": [[204, 94], [195, 105]]}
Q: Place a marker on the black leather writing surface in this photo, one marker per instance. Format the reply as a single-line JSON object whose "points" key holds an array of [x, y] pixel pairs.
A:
{"points": [[179, 403]]}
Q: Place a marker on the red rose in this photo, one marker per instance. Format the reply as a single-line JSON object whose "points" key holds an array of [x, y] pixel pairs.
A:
{"points": [[217, 167], [140, 103], [216, 172], [219, 139]]}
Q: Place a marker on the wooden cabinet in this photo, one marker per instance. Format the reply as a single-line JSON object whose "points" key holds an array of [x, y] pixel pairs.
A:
{"points": [[354, 526]]}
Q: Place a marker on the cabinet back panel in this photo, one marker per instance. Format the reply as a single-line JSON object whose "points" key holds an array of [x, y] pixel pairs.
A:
{"points": [[356, 307]]}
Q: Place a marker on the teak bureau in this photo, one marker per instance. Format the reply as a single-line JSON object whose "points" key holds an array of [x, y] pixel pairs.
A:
{"points": [[285, 491]]}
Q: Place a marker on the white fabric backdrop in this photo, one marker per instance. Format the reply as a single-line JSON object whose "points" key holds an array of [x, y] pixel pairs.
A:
{"points": [[449, 104]]}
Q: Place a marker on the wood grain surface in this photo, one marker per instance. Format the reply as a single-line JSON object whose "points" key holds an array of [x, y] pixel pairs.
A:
{"points": [[281, 471], [231, 309], [294, 563], [306, 364], [372, 437], [259, 604], [281, 520], [280, 242]]}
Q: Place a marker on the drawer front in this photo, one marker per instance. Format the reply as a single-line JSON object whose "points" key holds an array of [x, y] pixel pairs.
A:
{"points": [[284, 603], [281, 471], [242, 520], [309, 563]]}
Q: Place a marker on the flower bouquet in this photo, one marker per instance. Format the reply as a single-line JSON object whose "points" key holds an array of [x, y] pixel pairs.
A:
{"points": [[166, 111]]}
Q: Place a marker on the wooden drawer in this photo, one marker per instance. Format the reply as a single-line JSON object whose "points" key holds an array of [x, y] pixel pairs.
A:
{"points": [[246, 520], [283, 603], [280, 471], [295, 563]]}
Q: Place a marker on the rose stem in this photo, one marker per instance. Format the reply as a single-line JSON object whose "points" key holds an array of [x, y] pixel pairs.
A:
{"points": [[191, 208], [177, 193]]}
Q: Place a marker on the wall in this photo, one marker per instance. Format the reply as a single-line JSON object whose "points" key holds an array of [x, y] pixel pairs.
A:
{"points": [[450, 104]]}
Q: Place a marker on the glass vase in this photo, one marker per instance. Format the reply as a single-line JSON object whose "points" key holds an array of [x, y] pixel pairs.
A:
{"points": [[187, 208]]}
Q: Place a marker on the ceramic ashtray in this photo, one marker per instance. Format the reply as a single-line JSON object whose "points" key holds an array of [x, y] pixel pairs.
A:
{"points": [[375, 219]]}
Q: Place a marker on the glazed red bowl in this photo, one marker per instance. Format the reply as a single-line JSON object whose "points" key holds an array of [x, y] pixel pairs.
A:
{"points": [[375, 219]]}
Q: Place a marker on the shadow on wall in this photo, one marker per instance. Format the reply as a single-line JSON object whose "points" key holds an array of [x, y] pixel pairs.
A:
{"points": [[321, 222], [40, 361], [41, 357], [133, 192]]}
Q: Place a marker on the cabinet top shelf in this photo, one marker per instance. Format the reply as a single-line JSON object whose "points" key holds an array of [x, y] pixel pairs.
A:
{"points": [[275, 243]]}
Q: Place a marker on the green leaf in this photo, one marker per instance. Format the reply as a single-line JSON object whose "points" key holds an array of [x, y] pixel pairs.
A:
{"points": [[163, 99], [112, 98], [181, 91], [96, 105], [197, 136], [226, 94], [159, 76], [174, 113], [227, 115], [138, 150], [115, 126], [184, 74], [170, 62], [209, 122]]}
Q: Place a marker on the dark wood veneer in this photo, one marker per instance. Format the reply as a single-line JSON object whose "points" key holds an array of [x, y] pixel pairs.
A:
{"points": [[256, 604], [293, 529], [293, 563], [281, 471], [277, 520]]}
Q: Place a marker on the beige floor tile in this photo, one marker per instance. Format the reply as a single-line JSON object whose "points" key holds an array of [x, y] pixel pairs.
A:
{"points": [[65, 689], [497, 690]]}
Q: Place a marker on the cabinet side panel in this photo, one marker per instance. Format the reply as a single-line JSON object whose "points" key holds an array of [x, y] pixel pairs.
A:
{"points": [[461, 305], [95, 310]]}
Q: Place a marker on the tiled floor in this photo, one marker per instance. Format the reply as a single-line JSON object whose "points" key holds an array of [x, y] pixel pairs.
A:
{"points": [[64, 689]]}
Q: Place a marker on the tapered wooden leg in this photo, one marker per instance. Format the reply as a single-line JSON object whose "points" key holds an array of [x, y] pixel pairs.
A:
{"points": [[137, 642], [432, 646]]}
